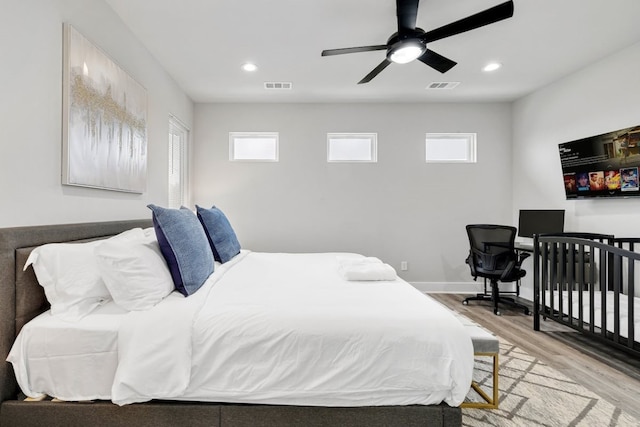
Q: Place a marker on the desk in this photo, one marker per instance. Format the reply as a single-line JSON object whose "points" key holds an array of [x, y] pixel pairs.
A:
{"points": [[526, 248], [517, 246], [577, 277], [523, 247]]}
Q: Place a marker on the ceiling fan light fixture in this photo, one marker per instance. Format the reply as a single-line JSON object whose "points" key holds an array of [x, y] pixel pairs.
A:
{"points": [[406, 51]]}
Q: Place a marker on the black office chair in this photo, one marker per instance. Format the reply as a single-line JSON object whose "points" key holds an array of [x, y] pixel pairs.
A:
{"points": [[493, 256]]}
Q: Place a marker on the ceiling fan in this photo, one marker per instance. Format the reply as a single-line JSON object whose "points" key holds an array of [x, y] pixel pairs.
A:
{"points": [[410, 42]]}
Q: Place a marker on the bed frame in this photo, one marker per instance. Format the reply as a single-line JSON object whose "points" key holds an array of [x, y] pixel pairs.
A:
{"points": [[22, 298], [592, 263]]}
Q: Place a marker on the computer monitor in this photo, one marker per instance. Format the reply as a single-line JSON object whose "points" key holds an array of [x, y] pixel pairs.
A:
{"points": [[540, 221]]}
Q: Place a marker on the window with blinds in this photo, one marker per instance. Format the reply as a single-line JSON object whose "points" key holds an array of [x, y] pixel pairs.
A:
{"points": [[178, 141]]}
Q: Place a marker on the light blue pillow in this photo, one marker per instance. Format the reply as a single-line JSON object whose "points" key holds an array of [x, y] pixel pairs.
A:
{"points": [[221, 236], [184, 246]]}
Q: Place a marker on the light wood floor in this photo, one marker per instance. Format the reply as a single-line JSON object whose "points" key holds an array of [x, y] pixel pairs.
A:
{"points": [[612, 374]]}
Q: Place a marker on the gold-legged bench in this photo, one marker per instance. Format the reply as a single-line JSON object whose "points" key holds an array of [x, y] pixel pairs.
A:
{"points": [[484, 344]]}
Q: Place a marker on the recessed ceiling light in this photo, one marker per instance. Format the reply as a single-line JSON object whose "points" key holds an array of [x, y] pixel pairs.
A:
{"points": [[492, 66], [249, 66]]}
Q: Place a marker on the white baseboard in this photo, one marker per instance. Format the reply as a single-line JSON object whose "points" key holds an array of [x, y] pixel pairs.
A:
{"points": [[461, 288], [448, 287]]}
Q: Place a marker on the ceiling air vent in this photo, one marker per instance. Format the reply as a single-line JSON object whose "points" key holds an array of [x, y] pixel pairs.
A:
{"points": [[442, 85], [277, 85]]}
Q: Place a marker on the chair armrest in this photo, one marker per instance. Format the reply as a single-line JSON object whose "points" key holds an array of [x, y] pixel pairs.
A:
{"points": [[472, 265], [522, 256]]}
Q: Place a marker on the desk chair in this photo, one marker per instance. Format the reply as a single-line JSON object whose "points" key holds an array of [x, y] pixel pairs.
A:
{"points": [[493, 256]]}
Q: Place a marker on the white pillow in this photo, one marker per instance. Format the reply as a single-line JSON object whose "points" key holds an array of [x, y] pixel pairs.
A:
{"points": [[70, 277], [134, 269]]}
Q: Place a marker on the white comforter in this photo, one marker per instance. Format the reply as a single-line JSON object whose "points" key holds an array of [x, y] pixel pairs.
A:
{"points": [[287, 329], [265, 328]]}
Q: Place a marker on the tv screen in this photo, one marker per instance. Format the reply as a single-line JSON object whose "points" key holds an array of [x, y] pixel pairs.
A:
{"points": [[546, 221], [602, 166]]}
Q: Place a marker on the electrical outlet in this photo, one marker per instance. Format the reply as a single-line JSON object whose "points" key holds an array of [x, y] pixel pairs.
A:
{"points": [[404, 266]]}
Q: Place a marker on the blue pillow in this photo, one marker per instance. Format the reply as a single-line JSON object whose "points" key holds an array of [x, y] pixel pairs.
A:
{"points": [[184, 246], [221, 236]]}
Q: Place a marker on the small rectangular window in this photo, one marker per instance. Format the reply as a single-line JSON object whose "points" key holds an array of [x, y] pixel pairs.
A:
{"points": [[450, 148], [253, 146], [352, 147]]}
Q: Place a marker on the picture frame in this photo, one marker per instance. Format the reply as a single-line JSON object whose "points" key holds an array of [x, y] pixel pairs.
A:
{"points": [[104, 142]]}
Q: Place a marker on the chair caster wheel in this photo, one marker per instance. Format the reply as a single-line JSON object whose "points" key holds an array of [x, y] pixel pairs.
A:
{"points": [[497, 312], [465, 302]]}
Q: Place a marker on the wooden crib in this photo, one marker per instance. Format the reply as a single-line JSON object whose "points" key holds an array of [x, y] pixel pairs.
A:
{"points": [[588, 282]]}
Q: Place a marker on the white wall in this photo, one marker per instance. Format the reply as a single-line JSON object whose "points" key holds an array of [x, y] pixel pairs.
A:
{"points": [[31, 113], [598, 99], [399, 209]]}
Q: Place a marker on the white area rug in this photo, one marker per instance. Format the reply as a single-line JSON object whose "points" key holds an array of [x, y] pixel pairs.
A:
{"points": [[533, 394]]}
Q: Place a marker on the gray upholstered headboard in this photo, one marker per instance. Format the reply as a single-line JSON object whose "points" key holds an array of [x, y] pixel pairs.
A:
{"points": [[21, 298]]}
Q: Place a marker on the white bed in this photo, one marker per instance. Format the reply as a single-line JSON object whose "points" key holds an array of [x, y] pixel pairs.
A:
{"points": [[597, 319], [265, 328]]}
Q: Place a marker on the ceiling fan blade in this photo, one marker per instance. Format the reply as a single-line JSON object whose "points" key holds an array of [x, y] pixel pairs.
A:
{"points": [[489, 16], [330, 52], [437, 61], [407, 11], [384, 64]]}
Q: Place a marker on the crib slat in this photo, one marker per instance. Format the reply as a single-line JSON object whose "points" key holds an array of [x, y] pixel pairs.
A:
{"points": [[592, 291], [554, 278], [603, 295], [581, 284], [536, 284], [631, 304], [562, 262], [571, 283], [617, 276], [545, 276]]}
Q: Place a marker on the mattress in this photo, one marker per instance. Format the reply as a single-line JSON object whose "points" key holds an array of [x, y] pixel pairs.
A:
{"points": [[597, 309], [265, 328]]}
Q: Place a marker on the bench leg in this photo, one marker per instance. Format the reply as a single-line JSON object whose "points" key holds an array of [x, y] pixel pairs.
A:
{"points": [[489, 402]]}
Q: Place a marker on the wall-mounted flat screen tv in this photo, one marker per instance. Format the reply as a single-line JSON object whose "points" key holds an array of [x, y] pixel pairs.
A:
{"points": [[605, 165]]}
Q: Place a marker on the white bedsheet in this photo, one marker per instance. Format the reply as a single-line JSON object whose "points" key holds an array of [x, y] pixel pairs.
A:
{"points": [[71, 361], [609, 310], [287, 329]]}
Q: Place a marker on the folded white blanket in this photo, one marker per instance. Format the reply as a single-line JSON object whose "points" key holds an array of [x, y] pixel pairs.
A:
{"points": [[367, 268]]}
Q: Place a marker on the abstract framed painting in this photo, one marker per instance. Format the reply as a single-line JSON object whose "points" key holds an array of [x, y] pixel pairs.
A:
{"points": [[104, 120]]}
